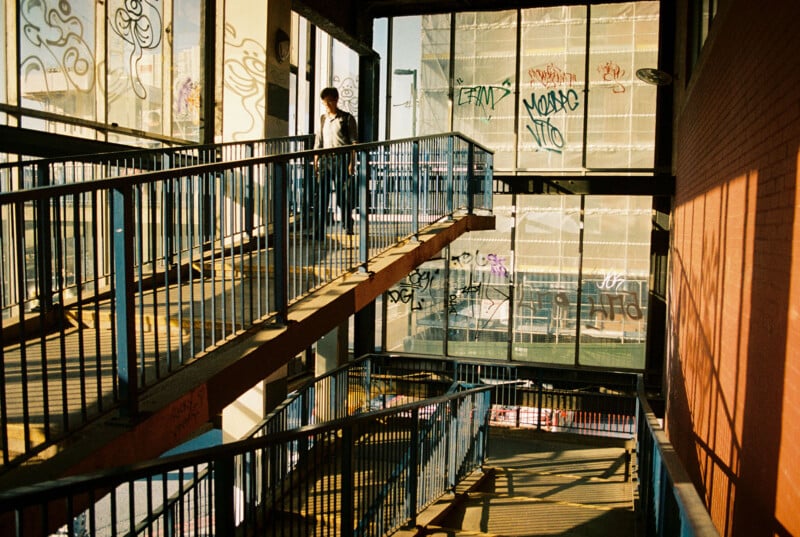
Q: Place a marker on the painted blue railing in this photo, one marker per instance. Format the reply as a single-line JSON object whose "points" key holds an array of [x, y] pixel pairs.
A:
{"points": [[388, 453], [670, 505], [266, 486]]}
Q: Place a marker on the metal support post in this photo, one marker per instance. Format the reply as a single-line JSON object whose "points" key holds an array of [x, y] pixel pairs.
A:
{"points": [[281, 240], [127, 370]]}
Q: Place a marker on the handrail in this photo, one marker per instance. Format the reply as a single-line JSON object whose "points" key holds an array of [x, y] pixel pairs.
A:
{"points": [[153, 158], [311, 473], [145, 272], [670, 503], [669, 506], [349, 389]]}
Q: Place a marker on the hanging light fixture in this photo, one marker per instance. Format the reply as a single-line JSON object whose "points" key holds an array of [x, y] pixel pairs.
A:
{"points": [[653, 76], [282, 45]]}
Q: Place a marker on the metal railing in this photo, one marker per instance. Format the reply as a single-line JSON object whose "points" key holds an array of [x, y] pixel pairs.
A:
{"points": [[372, 382], [368, 476], [356, 471], [524, 396], [31, 173], [27, 174], [669, 502], [530, 397], [114, 284]]}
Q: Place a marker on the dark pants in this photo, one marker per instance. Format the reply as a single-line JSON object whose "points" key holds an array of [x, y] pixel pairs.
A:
{"points": [[334, 178]]}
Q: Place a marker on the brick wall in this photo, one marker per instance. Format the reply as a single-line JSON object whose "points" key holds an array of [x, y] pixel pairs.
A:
{"points": [[733, 409]]}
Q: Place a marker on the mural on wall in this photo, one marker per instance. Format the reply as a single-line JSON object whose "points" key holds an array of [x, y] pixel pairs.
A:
{"points": [[245, 76], [556, 98], [187, 101], [138, 24], [63, 58], [348, 93]]}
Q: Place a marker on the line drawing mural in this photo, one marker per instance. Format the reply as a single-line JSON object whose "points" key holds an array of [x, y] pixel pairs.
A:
{"points": [[245, 76], [137, 23], [59, 39]]}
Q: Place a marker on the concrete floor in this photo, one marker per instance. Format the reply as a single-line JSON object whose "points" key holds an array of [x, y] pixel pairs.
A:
{"points": [[536, 485]]}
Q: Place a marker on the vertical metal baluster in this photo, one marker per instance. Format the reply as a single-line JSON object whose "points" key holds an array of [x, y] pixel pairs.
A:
{"points": [[176, 231]]}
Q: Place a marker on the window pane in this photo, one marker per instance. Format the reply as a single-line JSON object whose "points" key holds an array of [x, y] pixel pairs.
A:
{"points": [[552, 106], [345, 76], [302, 101], [621, 126], [57, 61], [480, 288], [415, 310], [483, 94], [434, 101], [380, 44], [244, 66], [135, 65], [616, 267], [406, 78], [548, 257], [188, 79], [7, 41]]}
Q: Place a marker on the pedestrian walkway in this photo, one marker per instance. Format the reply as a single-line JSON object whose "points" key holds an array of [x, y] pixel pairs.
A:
{"points": [[535, 485]]}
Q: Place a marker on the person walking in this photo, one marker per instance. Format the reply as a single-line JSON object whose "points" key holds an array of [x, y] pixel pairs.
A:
{"points": [[335, 172]]}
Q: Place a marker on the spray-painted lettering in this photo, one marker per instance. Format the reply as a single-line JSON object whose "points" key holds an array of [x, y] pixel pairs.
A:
{"points": [[612, 280], [484, 98], [628, 308], [551, 76], [551, 103], [612, 72], [407, 291], [547, 136]]}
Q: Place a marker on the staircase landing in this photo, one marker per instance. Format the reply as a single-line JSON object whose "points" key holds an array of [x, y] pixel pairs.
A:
{"points": [[538, 487]]}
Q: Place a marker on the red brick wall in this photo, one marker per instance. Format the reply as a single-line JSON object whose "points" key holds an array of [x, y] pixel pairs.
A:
{"points": [[733, 409]]}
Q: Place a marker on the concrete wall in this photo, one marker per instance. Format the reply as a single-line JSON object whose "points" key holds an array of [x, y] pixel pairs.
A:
{"points": [[733, 409]]}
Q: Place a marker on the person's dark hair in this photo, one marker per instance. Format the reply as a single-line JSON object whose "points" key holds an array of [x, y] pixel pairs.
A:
{"points": [[329, 92]]}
